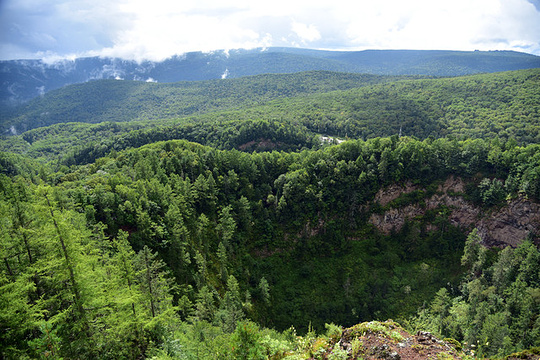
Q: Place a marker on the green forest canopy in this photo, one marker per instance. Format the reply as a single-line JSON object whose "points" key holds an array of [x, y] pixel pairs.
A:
{"points": [[137, 245], [228, 229], [503, 105]]}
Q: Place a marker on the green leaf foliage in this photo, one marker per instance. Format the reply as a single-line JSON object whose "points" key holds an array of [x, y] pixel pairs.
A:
{"points": [[499, 299], [137, 243], [290, 113]]}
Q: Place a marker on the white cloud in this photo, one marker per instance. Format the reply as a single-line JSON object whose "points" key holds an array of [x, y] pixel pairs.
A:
{"points": [[458, 25], [225, 74], [159, 30], [306, 32], [40, 90], [141, 29]]}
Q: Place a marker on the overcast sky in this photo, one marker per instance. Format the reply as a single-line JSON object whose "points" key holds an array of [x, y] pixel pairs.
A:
{"points": [[157, 29]]}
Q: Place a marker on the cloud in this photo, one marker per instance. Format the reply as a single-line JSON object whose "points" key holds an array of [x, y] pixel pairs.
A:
{"points": [[58, 26], [141, 29], [225, 74], [460, 24], [40, 90], [307, 33]]}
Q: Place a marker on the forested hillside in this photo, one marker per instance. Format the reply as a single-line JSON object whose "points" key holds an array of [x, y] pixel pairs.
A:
{"points": [[286, 111], [259, 229], [229, 230], [22, 80], [120, 101]]}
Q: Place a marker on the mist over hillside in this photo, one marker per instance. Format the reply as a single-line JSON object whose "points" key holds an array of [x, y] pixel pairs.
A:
{"points": [[21, 80]]}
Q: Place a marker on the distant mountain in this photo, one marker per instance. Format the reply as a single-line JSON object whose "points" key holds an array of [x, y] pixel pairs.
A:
{"points": [[249, 112], [127, 100], [21, 80]]}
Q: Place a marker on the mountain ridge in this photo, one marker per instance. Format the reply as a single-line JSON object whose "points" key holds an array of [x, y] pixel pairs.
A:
{"points": [[103, 100], [503, 105], [22, 80]]}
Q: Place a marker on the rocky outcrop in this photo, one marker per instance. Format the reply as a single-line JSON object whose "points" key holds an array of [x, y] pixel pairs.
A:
{"points": [[394, 219], [388, 340], [392, 192], [507, 225], [510, 224]]}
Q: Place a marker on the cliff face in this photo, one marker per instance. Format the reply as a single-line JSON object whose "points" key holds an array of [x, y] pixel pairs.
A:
{"points": [[507, 225]]}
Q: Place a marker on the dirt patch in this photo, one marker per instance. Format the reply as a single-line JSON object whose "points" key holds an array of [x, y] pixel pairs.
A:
{"points": [[531, 354], [259, 144]]}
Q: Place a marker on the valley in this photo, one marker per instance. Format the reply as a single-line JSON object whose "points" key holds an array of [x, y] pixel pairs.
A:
{"points": [[275, 216]]}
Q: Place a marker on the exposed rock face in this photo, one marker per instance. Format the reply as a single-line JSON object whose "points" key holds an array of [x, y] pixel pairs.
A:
{"points": [[508, 225], [394, 219], [385, 196], [259, 144], [511, 224]]}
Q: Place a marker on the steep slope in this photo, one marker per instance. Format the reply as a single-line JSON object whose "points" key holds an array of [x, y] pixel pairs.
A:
{"points": [[506, 225]]}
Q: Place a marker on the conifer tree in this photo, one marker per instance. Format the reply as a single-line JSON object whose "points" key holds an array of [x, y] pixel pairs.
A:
{"points": [[223, 261], [471, 252], [155, 286], [126, 295], [205, 305], [230, 310], [226, 227], [75, 320]]}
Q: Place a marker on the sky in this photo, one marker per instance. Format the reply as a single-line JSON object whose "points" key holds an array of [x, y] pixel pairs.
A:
{"points": [[157, 29]]}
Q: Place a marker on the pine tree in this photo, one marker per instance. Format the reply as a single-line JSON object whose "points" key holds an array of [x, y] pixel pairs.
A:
{"points": [[223, 261], [126, 295], [155, 286], [230, 310], [75, 325], [472, 253], [265, 290], [226, 226], [205, 305]]}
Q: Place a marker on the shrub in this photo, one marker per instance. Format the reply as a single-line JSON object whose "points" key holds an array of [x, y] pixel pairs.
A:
{"points": [[246, 341]]}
